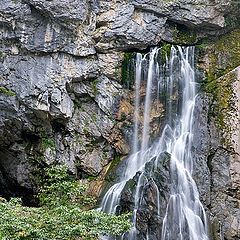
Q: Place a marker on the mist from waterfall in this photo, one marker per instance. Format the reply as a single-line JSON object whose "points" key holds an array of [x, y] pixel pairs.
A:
{"points": [[170, 80]]}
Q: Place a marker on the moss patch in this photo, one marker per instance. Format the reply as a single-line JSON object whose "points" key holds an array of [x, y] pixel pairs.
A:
{"points": [[2, 54], [127, 70], [184, 35], [222, 92], [220, 58], [94, 86], [114, 163], [7, 92], [224, 55], [48, 143]]}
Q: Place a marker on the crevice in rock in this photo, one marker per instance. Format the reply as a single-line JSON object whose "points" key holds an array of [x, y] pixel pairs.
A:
{"points": [[30, 137], [209, 161], [58, 125], [150, 11], [10, 188]]}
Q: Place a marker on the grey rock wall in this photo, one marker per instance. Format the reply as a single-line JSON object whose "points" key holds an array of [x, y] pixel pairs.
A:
{"points": [[216, 155]]}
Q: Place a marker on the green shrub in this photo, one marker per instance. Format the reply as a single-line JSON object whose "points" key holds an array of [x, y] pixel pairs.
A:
{"points": [[62, 214]]}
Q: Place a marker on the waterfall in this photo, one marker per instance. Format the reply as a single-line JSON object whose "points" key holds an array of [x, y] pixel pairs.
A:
{"points": [[172, 81], [137, 100]]}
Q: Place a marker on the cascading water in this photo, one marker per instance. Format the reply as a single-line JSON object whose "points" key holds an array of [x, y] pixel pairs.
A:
{"points": [[172, 81]]}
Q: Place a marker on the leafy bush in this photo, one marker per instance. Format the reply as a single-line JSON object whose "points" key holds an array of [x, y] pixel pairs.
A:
{"points": [[61, 215], [59, 189]]}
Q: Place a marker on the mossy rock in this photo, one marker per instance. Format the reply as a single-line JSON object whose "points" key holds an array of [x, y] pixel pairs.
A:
{"points": [[48, 142], [220, 58], [128, 69], [224, 55], [130, 185], [111, 172], [184, 35], [7, 92], [222, 92]]}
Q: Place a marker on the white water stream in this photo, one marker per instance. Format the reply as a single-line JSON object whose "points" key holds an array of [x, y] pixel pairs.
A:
{"points": [[185, 218]]}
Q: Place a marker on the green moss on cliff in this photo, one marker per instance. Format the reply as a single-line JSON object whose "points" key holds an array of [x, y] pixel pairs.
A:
{"points": [[184, 35], [95, 87], [114, 163], [220, 58], [48, 143], [222, 92], [2, 54], [7, 92], [224, 55], [127, 70]]}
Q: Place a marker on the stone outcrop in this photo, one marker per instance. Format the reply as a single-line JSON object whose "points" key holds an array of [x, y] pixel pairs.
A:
{"points": [[223, 161], [155, 184], [219, 113], [64, 98], [215, 173]]}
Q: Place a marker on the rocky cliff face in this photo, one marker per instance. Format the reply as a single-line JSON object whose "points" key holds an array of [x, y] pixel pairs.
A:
{"points": [[65, 95], [217, 155]]}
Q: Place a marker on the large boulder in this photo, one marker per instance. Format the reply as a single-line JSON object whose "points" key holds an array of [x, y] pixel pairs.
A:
{"points": [[155, 186]]}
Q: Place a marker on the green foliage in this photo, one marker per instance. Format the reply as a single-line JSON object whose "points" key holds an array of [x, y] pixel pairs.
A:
{"points": [[48, 143], [65, 223], [94, 86], [165, 51], [7, 92], [61, 215]]}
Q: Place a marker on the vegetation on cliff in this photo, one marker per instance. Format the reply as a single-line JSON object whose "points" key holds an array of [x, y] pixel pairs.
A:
{"points": [[220, 58], [64, 213]]}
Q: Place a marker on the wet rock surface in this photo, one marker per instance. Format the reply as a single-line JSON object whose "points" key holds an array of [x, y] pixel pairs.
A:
{"points": [[63, 96], [155, 178]]}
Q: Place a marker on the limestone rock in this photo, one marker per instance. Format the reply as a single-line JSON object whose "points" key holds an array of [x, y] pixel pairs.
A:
{"points": [[110, 64], [203, 13], [63, 10], [128, 28], [48, 26], [216, 157]]}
